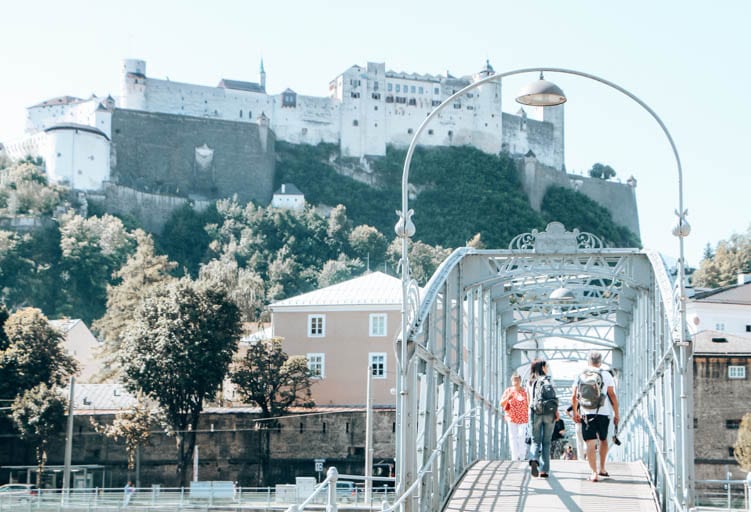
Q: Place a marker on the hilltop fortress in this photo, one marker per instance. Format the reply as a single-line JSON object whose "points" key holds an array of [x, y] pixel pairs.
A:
{"points": [[201, 142]]}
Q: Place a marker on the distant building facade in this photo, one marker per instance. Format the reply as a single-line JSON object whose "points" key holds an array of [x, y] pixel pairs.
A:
{"points": [[288, 197], [345, 330], [80, 343]]}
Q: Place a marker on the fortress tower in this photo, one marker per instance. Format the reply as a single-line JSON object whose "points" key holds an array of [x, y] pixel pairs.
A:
{"points": [[133, 94]]}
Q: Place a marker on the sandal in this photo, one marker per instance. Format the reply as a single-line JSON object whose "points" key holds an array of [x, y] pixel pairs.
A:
{"points": [[603, 473]]}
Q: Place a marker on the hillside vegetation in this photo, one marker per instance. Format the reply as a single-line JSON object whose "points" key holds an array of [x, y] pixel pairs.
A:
{"points": [[261, 254]]}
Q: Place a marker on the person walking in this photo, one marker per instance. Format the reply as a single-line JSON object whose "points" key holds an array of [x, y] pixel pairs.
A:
{"points": [[568, 453], [581, 446], [558, 439], [594, 394], [128, 493], [515, 405], [543, 413]]}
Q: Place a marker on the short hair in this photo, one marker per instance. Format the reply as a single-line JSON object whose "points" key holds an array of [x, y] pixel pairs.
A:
{"points": [[595, 358]]}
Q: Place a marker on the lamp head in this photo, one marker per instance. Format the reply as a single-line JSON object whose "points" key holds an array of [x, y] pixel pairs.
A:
{"points": [[541, 93], [562, 294]]}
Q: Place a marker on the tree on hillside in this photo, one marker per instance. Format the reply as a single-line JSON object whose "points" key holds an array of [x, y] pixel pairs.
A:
{"points": [[143, 270], [26, 191], [39, 416], [742, 447], [184, 238], [368, 243], [339, 270], [269, 378], [424, 259], [34, 354], [732, 256], [601, 171], [92, 250], [244, 286], [177, 351]]}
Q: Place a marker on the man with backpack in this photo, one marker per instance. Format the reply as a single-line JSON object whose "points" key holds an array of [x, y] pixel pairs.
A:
{"points": [[593, 402], [543, 413]]}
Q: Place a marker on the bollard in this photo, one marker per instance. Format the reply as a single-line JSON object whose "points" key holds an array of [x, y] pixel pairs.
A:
{"points": [[332, 475]]}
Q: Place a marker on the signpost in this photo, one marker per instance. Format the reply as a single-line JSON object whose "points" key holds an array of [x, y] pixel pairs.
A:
{"points": [[319, 467]]}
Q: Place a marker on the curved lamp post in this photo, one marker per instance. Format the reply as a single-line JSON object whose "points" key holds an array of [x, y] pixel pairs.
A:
{"points": [[540, 93]]}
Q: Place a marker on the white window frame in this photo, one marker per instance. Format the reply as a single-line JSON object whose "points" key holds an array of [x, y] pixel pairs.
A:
{"points": [[321, 362], [373, 324], [736, 372], [371, 360], [313, 329]]}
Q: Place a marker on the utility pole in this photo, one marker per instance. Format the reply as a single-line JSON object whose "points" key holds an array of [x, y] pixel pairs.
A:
{"points": [[68, 442]]}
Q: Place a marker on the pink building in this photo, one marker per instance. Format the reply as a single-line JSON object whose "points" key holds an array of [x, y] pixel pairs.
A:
{"points": [[345, 330]]}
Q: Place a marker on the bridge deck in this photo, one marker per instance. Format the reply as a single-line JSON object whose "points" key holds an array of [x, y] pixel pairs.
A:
{"points": [[508, 486]]}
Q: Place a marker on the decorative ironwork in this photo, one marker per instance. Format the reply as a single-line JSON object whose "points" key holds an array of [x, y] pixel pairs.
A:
{"points": [[555, 239]]}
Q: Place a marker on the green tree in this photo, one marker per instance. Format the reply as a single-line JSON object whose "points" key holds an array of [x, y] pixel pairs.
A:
{"points": [[177, 351], [34, 354], [133, 427], [732, 256], [601, 171], [244, 286], [184, 237], [39, 416], [338, 270], [92, 249], [27, 191], [368, 243], [269, 378], [742, 447], [424, 259], [143, 270]]}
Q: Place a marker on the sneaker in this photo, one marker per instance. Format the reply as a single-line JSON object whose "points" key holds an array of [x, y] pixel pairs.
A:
{"points": [[533, 465], [544, 475]]}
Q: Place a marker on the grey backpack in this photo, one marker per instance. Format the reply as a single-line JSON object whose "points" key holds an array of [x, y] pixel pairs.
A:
{"points": [[589, 390]]}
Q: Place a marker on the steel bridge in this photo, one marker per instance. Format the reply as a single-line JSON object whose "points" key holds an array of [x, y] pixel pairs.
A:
{"points": [[553, 294]]}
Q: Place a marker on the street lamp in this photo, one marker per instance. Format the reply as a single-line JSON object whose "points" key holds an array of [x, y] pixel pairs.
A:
{"points": [[540, 93]]}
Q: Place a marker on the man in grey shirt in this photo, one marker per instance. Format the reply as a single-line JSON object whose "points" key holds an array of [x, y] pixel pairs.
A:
{"points": [[595, 420]]}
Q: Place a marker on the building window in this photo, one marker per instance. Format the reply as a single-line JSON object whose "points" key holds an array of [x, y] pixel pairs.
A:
{"points": [[732, 424], [731, 452], [317, 365], [377, 324], [719, 326], [451, 133], [241, 114], [377, 361], [436, 90], [457, 105], [410, 130], [412, 101], [355, 123], [316, 326], [420, 90], [355, 94], [389, 86], [412, 89], [736, 372], [376, 95], [435, 103], [430, 132], [398, 88], [748, 328]]}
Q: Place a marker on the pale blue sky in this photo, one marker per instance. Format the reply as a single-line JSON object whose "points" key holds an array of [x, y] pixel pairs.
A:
{"points": [[685, 59]]}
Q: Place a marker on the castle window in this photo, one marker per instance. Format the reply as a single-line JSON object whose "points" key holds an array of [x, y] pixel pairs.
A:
{"points": [[398, 88], [412, 101], [436, 90], [389, 86], [241, 114], [355, 94], [430, 132], [470, 107], [289, 99], [304, 131], [732, 424], [401, 99], [412, 89], [736, 372], [376, 96], [389, 99], [375, 107], [420, 90], [409, 131], [355, 123], [451, 133], [457, 105], [435, 103], [375, 86]]}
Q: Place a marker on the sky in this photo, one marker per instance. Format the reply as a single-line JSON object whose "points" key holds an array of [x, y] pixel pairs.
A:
{"points": [[681, 58]]}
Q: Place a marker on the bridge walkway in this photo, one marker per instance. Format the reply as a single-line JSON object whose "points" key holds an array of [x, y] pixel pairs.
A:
{"points": [[508, 486]]}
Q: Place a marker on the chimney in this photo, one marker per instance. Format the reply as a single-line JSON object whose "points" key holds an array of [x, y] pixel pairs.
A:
{"points": [[744, 278]]}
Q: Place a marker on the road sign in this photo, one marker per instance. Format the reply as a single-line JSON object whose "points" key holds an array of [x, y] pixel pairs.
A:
{"points": [[319, 464]]}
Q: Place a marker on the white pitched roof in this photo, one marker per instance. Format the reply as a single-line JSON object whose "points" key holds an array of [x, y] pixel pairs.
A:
{"points": [[375, 288]]}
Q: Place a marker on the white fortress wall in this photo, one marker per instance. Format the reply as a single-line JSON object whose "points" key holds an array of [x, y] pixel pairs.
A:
{"points": [[77, 157], [41, 117], [29, 145], [312, 120]]}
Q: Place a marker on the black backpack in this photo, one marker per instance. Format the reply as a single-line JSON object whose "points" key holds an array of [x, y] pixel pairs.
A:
{"points": [[544, 399]]}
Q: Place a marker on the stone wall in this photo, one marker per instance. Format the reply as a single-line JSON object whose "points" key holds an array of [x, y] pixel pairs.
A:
{"points": [[618, 198], [152, 210], [233, 445], [717, 399], [158, 153]]}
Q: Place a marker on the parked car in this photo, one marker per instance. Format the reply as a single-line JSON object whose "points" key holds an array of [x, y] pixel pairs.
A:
{"points": [[345, 491], [17, 492]]}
